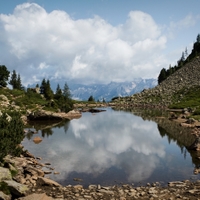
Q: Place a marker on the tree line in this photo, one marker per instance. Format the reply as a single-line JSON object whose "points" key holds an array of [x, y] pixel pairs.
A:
{"points": [[15, 79], [185, 58], [61, 99]]}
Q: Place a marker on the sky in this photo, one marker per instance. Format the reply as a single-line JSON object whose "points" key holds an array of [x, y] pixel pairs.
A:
{"points": [[95, 41]]}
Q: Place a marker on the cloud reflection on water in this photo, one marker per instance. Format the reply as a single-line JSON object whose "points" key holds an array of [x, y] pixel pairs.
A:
{"points": [[94, 144]]}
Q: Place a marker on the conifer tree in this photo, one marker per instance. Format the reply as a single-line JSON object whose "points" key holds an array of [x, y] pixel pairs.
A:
{"points": [[162, 76], [19, 84], [43, 86], [13, 79], [45, 89], [91, 98], [66, 92], [186, 52], [58, 93], [48, 92], [4, 75], [198, 38]]}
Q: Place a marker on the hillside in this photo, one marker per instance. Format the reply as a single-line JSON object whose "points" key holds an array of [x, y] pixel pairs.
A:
{"points": [[171, 90]]}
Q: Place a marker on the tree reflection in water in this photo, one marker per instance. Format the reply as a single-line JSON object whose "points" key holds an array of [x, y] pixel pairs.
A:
{"points": [[45, 127], [172, 130]]}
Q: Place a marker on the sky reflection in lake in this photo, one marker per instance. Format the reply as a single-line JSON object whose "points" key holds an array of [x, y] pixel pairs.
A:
{"points": [[103, 148]]}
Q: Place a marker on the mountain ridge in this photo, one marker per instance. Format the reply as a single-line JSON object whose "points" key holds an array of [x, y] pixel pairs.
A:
{"points": [[108, 91]]}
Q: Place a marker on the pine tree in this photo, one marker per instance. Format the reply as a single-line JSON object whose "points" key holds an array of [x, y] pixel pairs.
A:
{"points": [[43, 86], [13, 80], [91, 98], [186, 52], [19, 84], [198, 38], [4, 75], [67, 104], [58, 93], [162, 76], [66, 92], [48, 93]]}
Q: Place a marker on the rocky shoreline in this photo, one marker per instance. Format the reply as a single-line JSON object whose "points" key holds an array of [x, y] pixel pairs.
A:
{"points": [[30, 183]]}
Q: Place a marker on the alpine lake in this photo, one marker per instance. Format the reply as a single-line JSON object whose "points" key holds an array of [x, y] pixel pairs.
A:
{"points": [[114, 147]]}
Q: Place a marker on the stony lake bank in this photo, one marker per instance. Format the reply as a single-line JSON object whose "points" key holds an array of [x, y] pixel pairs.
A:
{"points": [[31, 182]]}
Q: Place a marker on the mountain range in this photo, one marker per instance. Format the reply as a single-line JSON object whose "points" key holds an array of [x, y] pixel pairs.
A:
{"points": [[104, 91], [111, 90]]}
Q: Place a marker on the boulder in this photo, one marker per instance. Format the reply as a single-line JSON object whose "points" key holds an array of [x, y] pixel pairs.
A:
{"points": [[3, 97], [37, 140], [42, 196], [16, 189], [34, 171], [41, 181], [5, 174], [190, 121], [47, 115], [43, 115], [16, 161]]}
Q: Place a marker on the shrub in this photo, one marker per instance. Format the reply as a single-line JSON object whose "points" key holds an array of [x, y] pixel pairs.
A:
{"points": [[11, 134]]}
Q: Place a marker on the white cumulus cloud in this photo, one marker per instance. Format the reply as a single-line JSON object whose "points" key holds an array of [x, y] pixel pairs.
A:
{"points": [[38, 44]]}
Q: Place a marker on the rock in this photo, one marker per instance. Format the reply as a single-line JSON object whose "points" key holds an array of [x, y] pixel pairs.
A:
{"points": [[186, 125], [106, 191], [3, 97], [5, 174], [41, 181], [47, 163], [173, 116], [16, 189], [47, 115], [93, 110], [34, 171], [193, 191], [87, 197], [42, 196], [77, 179], [16, 161], [11, 167], [37, 140], [190, 121], [79, 187], [4, 196], [28, 154], [47, 172], [92, 187]]}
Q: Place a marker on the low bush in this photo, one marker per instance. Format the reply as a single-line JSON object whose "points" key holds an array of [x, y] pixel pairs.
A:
{"points": [[11, 134]]}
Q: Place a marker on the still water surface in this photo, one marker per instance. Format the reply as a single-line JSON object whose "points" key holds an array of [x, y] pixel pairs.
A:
{"points": [[111, 147]]}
